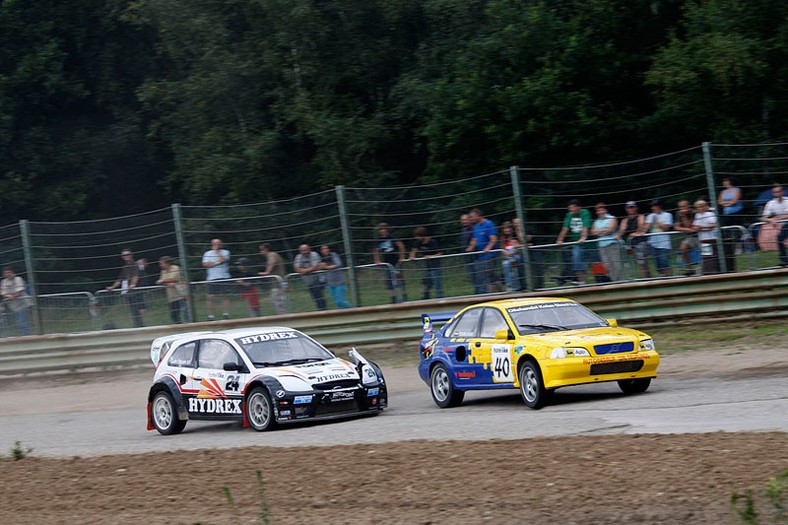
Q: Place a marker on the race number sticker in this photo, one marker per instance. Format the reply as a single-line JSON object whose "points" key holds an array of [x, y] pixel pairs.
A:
{"points": [[502, 364]]}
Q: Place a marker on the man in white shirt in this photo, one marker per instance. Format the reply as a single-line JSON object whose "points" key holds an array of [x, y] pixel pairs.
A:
{"points": [[216, 261], [705, 223], [658, 222], [776, 211]]}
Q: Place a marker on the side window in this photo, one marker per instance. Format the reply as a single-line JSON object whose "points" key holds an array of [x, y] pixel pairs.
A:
{"points": [[214, 353], [467, 324], [493, 321], [183, 356]]}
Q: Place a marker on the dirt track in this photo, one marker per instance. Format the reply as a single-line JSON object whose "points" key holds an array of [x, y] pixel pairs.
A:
{"points": [[665, 479]]}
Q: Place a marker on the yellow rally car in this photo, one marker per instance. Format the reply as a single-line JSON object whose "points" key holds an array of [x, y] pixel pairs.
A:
{"points": [[535, 344]]}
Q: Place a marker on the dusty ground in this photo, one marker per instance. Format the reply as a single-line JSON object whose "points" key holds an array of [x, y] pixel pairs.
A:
{"points": [[682, 479]]}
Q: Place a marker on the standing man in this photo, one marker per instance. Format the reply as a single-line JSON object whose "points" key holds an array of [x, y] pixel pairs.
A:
{"points": [[127, 281], [705, 223], [216, 261], [684, 223], [466, 234], [307, 263], [249, 292], [335, 279], [577, 223], [274, 265], [176, 289], [776, 210], [15, 297], [485, 240], [427, 247], [658, 222], [390, 251]]}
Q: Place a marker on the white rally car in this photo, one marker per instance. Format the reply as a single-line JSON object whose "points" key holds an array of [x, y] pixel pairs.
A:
{"points": [[261, 376]]}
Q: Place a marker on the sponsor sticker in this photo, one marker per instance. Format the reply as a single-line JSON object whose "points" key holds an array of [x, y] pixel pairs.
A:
{"points": [[545, 306], [342, 396], [302, 400], [373, 392], [273, 336], [214, 406]]}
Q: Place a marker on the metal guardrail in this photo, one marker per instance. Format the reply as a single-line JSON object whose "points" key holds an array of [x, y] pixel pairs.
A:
{"points": [[670, 300]]}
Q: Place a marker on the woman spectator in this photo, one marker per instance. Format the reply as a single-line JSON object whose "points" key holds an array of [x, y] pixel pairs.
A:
{"points": [[512, 256], [730, 203]]}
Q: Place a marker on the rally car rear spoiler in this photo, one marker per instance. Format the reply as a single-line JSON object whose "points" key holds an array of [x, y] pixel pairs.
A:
{"points": [[160, 345], [428, 320]]}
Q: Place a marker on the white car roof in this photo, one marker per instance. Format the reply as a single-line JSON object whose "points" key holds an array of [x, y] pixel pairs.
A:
{"points": [[253, 330]]}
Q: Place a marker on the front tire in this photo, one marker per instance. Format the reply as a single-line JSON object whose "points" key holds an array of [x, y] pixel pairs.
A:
{"points": [[443, 392], [532, 389], [634, 386], [260, 410], [164, 414]]}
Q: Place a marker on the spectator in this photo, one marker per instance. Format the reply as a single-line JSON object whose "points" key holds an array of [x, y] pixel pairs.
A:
{"points": [[484, 240], [217, 264], [511, 256], [605, 229], [469, 259], [176, 289], [274, 265], [144, 281], [127, 282], [16, 299], [390, 251], [658, 222], [632, 232], [577, 223], [775, 211], [427, 248], [249, 293], [335, 278], [308, 264], [730, 203], [684, 223], [535, 256], [705, 223]]}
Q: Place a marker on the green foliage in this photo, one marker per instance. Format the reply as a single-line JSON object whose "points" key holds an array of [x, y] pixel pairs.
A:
{"points": [[123, 106], [745, 505], [19, 452]]}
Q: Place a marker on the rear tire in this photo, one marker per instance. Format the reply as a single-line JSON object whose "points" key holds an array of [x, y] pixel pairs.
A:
{"points": [[164, 414], [532, 389], [634, 386], [260, 410], [443, 392]]}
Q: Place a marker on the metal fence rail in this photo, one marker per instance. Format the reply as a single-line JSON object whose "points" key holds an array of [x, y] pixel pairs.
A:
{"points": [[763, 293]]}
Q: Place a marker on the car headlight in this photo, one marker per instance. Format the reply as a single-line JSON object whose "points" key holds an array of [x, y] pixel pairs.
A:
{"points": [[647, 344], [561, 352]]}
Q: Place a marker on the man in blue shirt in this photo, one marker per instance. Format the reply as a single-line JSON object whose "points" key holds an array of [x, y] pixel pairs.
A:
{"points": [[484, 241]]}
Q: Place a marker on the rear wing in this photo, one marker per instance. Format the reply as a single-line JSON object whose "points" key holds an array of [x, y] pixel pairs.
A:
{"points": [[428, 320], [160, 345]]}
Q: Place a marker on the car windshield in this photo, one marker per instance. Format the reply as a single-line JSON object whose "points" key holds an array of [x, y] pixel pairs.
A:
{"points": [[553, 317], [282, 348]]}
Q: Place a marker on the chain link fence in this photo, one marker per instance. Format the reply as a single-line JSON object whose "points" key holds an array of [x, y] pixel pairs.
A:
{"points": [[68, 266]]}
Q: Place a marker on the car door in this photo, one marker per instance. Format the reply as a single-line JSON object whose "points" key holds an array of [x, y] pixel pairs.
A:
{"points": [[218, 390], [495, 354], [458, 345]]}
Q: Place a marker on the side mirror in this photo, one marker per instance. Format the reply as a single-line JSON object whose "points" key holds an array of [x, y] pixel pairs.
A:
{"points": [[612, 322], [504, 334], [232, 367]]}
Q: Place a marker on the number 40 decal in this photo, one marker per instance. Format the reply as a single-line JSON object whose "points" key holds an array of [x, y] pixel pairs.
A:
{"points": [[502, 364]]}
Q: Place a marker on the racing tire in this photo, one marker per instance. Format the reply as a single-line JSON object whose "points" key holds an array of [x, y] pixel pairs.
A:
{"points": [[532, 389], [634, 386], [443, 392], [260, 410], [164, 414]]}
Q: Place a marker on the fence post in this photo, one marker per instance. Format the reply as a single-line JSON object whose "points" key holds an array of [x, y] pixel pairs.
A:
{"points": [[348, 245], [518, 208], [24, 231], [177, 220], [712, 203]]}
